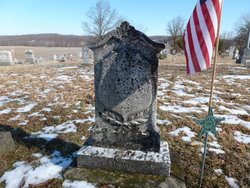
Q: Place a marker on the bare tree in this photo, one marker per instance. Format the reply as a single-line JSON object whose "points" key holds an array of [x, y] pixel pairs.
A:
{"points": [[242, 26], [175, 29], [101, 19]]}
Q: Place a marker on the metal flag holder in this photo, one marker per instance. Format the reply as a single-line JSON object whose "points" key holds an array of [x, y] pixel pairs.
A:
{"points": [[208, 124]]}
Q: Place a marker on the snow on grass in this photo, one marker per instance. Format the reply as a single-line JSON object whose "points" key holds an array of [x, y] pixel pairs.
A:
{"points": [[5, 99], [5, 111], [233, 111], [181, 109], [187, 131], [162, 122], [240, 137], [15, 118], [32, 175], [215, 150], [218, 171], [197, 100], [46, 110], [26, 108], [35, 114], [232, 182], [53, 131], [231, 119], [77, 184], [243, 77], [25, 122]]}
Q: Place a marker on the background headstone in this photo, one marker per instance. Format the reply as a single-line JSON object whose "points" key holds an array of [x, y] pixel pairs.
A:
{"points": [[6, 58], [30, 57], [125, 136], [86, 56], [6, 142], [245, 57]]}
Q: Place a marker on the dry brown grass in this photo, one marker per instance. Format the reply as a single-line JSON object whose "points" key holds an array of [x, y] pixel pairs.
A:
{"points": [[44, 84]]}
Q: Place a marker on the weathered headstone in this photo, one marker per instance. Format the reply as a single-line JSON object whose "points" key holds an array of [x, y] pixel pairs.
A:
{"points": [[125, 136], [30, 56], [6, 142], [6, 58], [245, 57], [235, 53], [86, 56]]}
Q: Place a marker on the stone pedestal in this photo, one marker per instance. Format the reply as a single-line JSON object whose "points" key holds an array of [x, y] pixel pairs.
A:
{"points": [[135, 161], [126, 73]]}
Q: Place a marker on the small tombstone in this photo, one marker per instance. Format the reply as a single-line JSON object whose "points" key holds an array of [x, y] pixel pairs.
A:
{"points": [[236, 53], [86, 56], [6, 142], [245, 56], [125, 136], [30, 57], [6, 58]]}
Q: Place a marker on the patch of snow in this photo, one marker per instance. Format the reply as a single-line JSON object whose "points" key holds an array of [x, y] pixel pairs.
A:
{"points": [[165, 121], [218, 171], [38, 155], [17, 117], [187, 131], [230, 119], [215, 150], [26, 108], [237, 77], [33, 175], [232, 182], [197, 100], [35, 114], [5, 111], [24, 123], [233, 111], [77, 184], [240, 137], [11, 82], [83, 138], [181, 109], [46, 110], [51, 132]]}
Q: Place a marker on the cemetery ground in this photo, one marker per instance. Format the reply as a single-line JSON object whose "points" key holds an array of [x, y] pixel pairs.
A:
{"points": [[49, 109]]}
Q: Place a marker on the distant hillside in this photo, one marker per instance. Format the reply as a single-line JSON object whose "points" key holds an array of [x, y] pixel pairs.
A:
{"points": [[54, 40], [49, 40]]}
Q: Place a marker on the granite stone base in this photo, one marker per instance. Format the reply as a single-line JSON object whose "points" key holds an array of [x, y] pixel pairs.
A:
{"points": [[154, 163]]}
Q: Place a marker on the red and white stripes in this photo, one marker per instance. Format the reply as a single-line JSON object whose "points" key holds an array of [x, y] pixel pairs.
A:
{"points": [[200, 35]]}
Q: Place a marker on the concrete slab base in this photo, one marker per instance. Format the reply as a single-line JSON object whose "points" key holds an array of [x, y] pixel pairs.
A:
{"points": [[154, 163]]}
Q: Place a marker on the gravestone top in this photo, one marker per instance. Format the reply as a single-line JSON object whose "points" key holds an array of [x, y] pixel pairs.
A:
{"points": [[126, 30]]}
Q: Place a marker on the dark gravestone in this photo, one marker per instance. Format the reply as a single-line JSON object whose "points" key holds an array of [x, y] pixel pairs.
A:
{"points": [[245, 56], [6, 142], [125, 136]]}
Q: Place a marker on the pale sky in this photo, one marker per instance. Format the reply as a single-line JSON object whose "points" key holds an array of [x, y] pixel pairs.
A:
{"points": [[65, 16]]}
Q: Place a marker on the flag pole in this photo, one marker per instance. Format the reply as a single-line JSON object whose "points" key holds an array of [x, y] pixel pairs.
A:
{"points": [[215, 57], [211, 92]]}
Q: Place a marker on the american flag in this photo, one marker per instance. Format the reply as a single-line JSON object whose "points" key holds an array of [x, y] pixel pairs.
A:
{"points": [[200, 35]]}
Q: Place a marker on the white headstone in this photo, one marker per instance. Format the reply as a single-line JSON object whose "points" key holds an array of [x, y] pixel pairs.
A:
{"points": [[86, 56], [30, 57], [6, 58]]}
